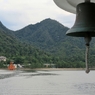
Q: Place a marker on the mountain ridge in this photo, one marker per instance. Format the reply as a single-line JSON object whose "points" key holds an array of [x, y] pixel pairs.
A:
{"points": [[41, 33], [50, 36], [20, 52]]}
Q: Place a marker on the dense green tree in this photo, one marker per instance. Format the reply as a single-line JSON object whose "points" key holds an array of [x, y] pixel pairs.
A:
{"points": [[44, 42]]}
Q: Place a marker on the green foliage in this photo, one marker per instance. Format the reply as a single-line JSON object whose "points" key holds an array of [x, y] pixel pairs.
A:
{"points": [[44, 42]]}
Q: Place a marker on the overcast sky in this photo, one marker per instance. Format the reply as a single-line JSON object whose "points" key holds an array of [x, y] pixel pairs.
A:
{"points": [[16, 14]]}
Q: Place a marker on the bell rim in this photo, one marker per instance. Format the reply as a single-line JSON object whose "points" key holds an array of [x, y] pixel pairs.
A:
{"points": [[81, 32]]}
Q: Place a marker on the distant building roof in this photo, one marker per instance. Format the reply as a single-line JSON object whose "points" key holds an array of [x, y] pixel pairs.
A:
{"points": [[2, 58]]}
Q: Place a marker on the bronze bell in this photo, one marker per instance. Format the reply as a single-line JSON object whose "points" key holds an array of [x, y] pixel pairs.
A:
{"points": [[85, 21], [84, 25]]}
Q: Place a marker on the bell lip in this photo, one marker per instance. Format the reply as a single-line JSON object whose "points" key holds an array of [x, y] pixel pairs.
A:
{"points": [[81, 32], [69, 5], [79, 35]]}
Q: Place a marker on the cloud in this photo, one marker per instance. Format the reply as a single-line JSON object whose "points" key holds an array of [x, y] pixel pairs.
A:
{"points": [[17, 14]]}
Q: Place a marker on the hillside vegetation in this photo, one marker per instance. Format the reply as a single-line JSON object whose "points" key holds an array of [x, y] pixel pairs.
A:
{"points": [[45, 42], [21, 53]]}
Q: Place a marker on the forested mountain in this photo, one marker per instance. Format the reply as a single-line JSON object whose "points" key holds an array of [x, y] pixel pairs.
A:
{"points": [[19, 52], [48, 36], [44, 34]]}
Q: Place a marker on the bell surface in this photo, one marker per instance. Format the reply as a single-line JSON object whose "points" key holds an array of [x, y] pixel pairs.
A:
{"points": [[85, 21]]}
